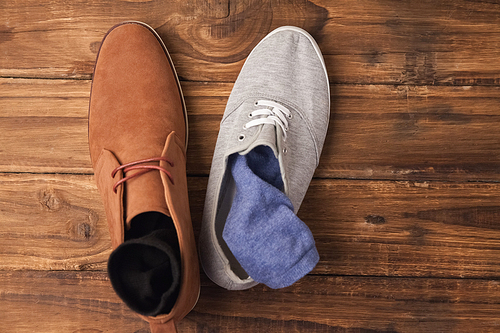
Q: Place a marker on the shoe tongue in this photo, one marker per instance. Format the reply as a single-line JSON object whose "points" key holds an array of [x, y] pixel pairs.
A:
{"points": [[144, 193], [265, 135]]}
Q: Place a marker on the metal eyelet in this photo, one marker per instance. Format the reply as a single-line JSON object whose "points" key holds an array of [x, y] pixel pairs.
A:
{"points": [[241, 137], [256, 103], [250, 115], [289, 116], [285, 150]]}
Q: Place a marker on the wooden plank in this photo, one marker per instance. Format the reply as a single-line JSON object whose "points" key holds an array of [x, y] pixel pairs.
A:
{"points": [[52, 222], [354, 304], [388, 132], [408, 42], [44, 125], [376, 131], [63, 302], [378, 228], [85, 302], [404, 228]]}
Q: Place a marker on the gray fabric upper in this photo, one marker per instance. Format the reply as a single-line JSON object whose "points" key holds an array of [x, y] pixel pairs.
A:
{"points": [[285, 67]]}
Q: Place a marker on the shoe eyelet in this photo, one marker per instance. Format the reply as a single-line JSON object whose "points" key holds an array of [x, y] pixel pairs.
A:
{"points": [[241, 137], [285, 150], [250, 115], [289, 116], [256, 103]]}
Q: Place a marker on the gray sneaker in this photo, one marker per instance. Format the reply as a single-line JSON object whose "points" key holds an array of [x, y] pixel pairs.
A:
{"points": [[281, 99]]}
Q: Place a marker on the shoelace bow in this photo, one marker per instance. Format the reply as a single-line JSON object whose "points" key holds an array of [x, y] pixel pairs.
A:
{"points": [[144, 169], [277, 115]]}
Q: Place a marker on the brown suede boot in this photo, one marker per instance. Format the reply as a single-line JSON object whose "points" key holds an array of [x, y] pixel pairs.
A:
{"points": [[137, 138]]}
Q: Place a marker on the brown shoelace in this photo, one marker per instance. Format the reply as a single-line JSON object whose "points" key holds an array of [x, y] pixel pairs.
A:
{"points": [[144, 169]]}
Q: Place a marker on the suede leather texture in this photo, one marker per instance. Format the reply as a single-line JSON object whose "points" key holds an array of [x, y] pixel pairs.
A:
{"points": [[176, 194], [113, 202], [137, 112], [135, 103]]}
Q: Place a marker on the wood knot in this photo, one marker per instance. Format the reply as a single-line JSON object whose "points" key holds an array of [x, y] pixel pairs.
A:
{"points": [[94, 47], [84, 230], [83, 224], [417, 231], [417, 234], [81, 221], [49, 200], [375, 219], [6, 34]]}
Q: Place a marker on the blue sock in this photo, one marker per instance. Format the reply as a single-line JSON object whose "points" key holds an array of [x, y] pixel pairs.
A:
{"points": [[269, 241]]}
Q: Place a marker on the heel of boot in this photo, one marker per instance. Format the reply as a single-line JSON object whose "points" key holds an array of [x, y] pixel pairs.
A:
{"points": [[168, 327]]}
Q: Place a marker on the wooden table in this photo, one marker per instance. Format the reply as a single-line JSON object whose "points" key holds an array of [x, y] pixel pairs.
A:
{"points": [[404, 207]]}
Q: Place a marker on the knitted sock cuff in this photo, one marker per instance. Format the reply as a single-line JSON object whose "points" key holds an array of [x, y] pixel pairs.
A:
{"points": [[145, 272]]}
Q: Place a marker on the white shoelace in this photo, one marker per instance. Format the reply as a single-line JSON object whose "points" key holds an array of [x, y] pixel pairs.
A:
{"points": [[276, 116]]}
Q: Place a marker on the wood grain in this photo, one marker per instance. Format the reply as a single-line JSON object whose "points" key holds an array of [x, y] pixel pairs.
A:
{"points": [[52, 222], [394, 42], [358, 304], [404, 228], [71, 301], [376, 131], [85, 302], [404, 206], [376, 228]]}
